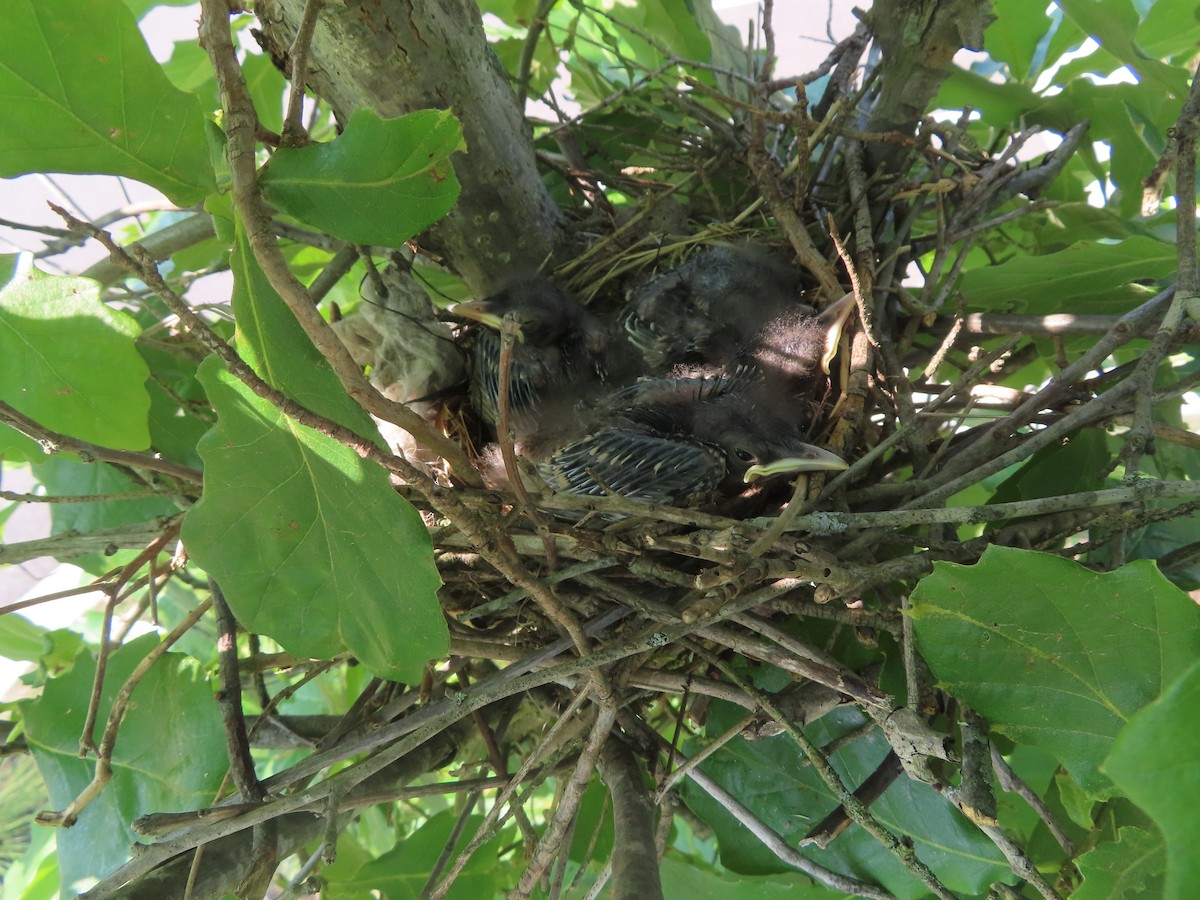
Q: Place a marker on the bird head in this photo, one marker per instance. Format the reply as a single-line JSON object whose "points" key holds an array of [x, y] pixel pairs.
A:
{"points": [[543, 312]]}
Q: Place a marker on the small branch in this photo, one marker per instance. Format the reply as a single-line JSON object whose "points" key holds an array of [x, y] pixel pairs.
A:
{"points": [[229, 698], [634, 857], [293, 133], [54, 442], [68, 817]]}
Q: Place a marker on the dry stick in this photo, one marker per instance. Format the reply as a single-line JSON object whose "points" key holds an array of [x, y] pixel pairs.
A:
{"points": [[572, 792], [634, 857], [1014, 784], [704, 753], [529, 48], [86, 742], [769, 838], [509, 329], [229, 698], [68, 817], [241, 126], [486, 828], [58, 595], [499, 550], [854, 807], [975, 798], [401, 737], [53, 442], [1122, 331], [1140, 437], [826, 523]]}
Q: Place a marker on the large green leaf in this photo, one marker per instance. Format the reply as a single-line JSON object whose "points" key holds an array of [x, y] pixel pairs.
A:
{"points": [[401, 873], [1131, 866], [380, 182], [681, 881], [1156, 761], [1113, 23], [68, 361], [83, 94], [1054, 654], [163, 761], [773, 778], [1014, 37], [1085, 278], [311, 544]]}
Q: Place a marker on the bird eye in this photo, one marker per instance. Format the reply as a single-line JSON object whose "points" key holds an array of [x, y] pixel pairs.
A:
{"points": [[744, 455]]}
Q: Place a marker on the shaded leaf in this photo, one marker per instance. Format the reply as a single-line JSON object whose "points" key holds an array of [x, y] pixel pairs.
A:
{"points": [[68, 361], [1054, 654], [63, 475], [681, 881], [309, 542], [161, 762], [1131, 866], [1084, 278], [773, 778], [83, 94], [380, 182], [1156, 761], [401, 873]]}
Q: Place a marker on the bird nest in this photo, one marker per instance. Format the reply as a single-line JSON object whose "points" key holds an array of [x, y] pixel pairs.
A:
{"points": [[653, 610]]}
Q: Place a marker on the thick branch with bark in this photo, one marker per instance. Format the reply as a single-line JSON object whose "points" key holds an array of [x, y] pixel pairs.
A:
{"points": [[397, 57]]}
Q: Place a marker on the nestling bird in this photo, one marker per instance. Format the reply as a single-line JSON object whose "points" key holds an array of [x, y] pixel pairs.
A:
{"points": [[731, 307], [682, 442], [708, 308], [561, 349]]}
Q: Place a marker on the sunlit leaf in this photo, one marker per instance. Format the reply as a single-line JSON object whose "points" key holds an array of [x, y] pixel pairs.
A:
{"points": [[83, 94], [1052, 653], [68, 361], [380, 182]]}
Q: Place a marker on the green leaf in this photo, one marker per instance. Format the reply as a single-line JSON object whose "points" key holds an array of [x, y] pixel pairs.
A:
{"points": [[1073, 465], [1014, 37], [774, 779], [65, 476], [1131, 866], [68, 361], [402, 872], [1085, 278], [83, 94], [1156, 761], [1054, 654], [1169, 30], [310, 543], [277, 348], [21, 639], [15, 447], [681, 881], [1113, 24], [380, 182], [267, 88], [161, 761]]}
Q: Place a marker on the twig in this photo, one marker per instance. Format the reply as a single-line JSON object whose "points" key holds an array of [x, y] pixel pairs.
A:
{"points": [[53, 442], [293, 132], [68, 817]]}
